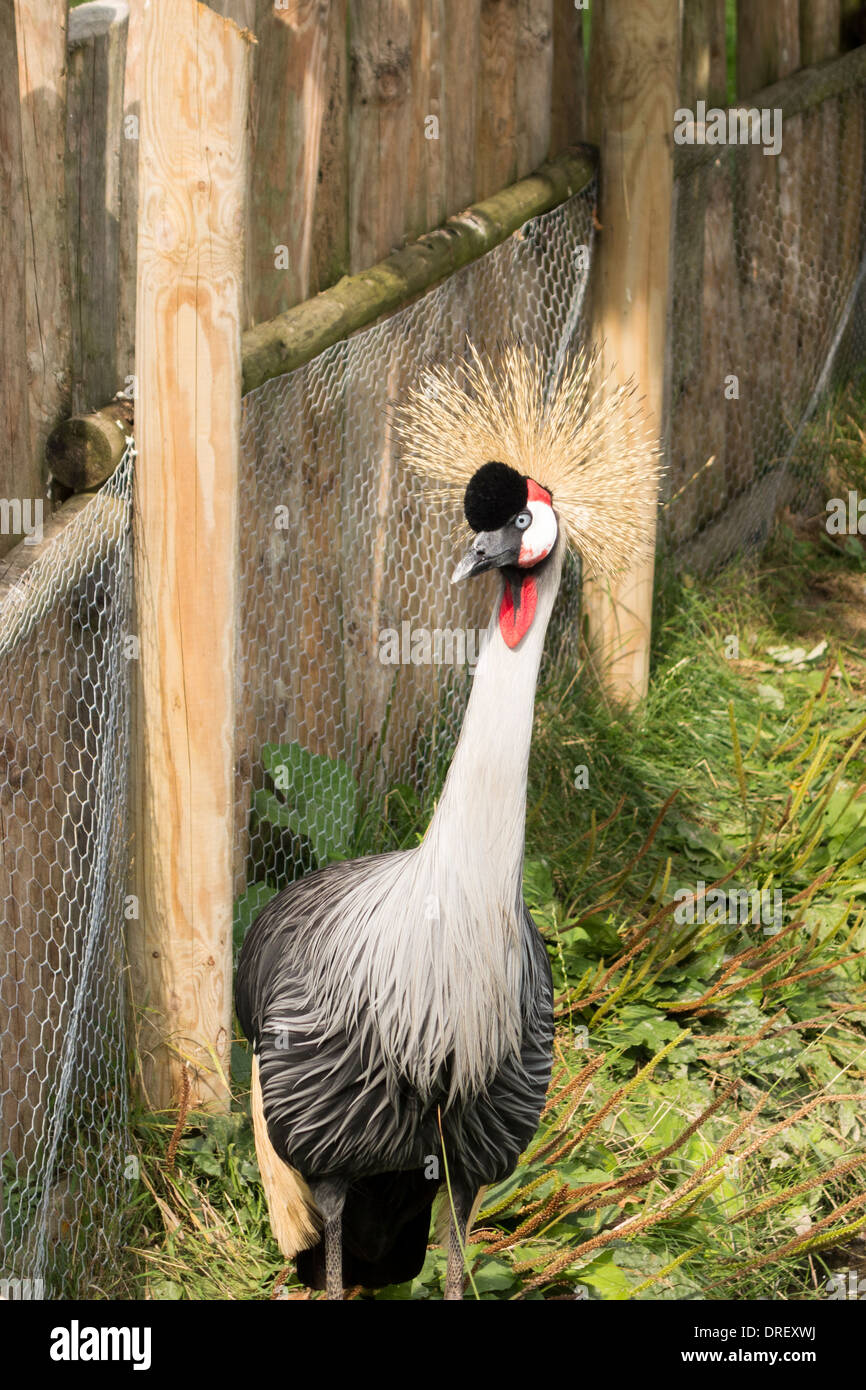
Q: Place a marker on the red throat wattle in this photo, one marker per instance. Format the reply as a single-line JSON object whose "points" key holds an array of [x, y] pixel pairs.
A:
{"points": [[515, 623]]}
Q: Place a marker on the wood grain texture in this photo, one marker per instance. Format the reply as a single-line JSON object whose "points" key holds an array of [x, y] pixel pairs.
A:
{"points": [[427, 184], [94, 138], [703, 309], [703, 67], [461, 23], [768, 43], [380, 126], [568, 79], [289, 104], [330, 254], [19, 470], [533, 85], [820, 23], [193, 179], [41, 29], [127, 238], [640, 54], [496, 131]]}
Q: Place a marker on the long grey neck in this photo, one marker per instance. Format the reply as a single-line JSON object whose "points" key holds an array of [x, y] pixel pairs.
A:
{"points": [[478, 826]]}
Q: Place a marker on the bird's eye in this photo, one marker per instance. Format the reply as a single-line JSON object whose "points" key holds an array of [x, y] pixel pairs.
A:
{"points": [[522, 520]]}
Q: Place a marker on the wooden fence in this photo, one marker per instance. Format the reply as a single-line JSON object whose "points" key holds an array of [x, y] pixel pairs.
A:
{"points": [[175, 177]]}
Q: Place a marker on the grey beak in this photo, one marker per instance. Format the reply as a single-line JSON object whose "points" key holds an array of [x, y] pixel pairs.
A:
{"points": [[490, 550]]}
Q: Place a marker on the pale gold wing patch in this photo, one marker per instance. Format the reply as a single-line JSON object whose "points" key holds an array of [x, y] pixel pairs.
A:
{"points": [[295, 1221]]}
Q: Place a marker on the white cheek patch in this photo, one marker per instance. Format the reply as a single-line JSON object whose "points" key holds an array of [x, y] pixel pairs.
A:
{"points": [[540, 537]]}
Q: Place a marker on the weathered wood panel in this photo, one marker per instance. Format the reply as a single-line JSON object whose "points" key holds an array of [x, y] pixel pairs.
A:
{"points": [[41, 29], [19, 470], [705, 312], [568, 79], [496, 130], [461, 44], [289, 103], [330, 257], [94, 141], [768, 196]]}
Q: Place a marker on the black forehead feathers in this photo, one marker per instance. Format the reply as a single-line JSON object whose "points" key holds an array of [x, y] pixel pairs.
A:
{"points": [[493, 496]]}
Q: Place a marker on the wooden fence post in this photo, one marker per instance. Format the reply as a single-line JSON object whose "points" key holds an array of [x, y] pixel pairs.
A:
{"points": [[636, 89], [192, 188]]}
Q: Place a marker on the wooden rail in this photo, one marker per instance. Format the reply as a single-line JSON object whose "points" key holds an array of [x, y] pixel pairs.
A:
{"points": [[284, 343]]}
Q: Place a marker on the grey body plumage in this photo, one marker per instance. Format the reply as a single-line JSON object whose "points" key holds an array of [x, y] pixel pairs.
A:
{"points": [[335, 1103]]}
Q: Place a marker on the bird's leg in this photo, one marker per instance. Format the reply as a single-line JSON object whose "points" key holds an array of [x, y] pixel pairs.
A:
{"points": [[461, 1204], [329, 1195], [334, 1257]]}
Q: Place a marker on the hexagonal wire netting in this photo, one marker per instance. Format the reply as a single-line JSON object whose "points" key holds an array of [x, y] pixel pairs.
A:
{"points": [[768, 327], [64, 750], [355, 652]]}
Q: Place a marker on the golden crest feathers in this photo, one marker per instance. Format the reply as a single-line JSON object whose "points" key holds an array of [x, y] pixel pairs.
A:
{"points": [[587, 441]]}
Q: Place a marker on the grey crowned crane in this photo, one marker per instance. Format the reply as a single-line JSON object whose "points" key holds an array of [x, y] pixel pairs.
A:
{"points": [[400, 1006]]}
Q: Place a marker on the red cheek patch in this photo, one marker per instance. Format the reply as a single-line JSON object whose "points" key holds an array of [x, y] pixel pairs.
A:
{"points": [[515, 623]]}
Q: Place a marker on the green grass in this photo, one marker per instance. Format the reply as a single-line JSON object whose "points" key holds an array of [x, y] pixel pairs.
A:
{"points": [[704, 1133]]}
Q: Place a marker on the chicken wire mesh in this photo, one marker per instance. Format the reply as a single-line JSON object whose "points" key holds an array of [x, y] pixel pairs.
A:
{"points": [[64, 751], [768, 324], [355, 653]]}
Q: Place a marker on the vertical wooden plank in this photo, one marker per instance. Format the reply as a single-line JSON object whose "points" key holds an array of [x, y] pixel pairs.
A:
{"points": [[330, 255], [496, 133], [704, 308], [640, 54], [41, 28], [127, 239], [426, 172], [461, 46], [19, 471], [568, 94], [533, 84], [820, 22], [769, 235], [768, 43], [97, 58], [290, 100], [380, 107], [193, 180], [703, 72]]}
